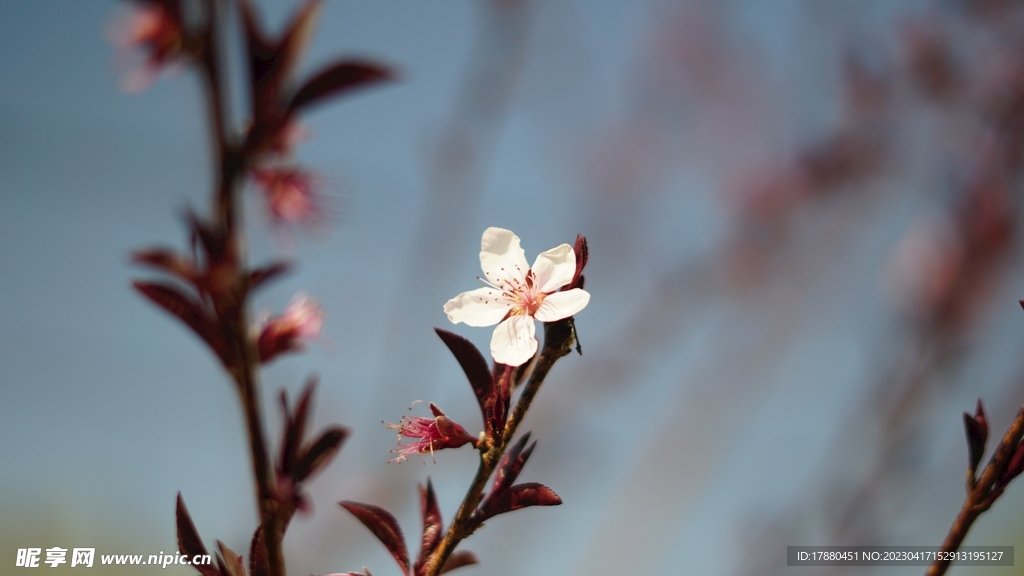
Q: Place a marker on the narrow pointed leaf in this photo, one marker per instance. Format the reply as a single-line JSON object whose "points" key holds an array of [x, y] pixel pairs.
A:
{"points": [[258, 565], [232, 562], [582, 255], [384, 526], [295, 425], [167, 261], [458, 560], [975, 441], [320, 452], [210, 240], [297, 37], [186, 309], [1015, 466], [189, 543], [260, 276], [432, 525], [520, 496], [336, 79], [473, 364], [511, 465]]}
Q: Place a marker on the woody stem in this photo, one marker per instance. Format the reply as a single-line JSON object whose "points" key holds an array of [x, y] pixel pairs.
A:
{"points": [[558, 340]]}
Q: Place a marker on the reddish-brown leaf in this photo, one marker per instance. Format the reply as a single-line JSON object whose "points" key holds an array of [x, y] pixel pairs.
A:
{"points": [[432, 525], [320, 452], [384, 526], [189, 543], [295, 424], [260, 276], [582, 255], [519, 496], [338, 78], [458, 560], [167, 261], [186, 309], [511, 465], [977, 434], [232, 563], [258, 555], [473, 364]]}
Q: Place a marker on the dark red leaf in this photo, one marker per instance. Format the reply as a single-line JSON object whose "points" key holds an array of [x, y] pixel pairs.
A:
{"points": [[208, 238], [189, 543], [337, 78], [519, 496], [232, 563], [473, 364], [1015, 466], [458, 560], [260, 276], [384, 527], [298, 35], [295, 425], [186, 309], [511, 465], [258, 555], [582, 255], [320, 452], [432, 525], [976, 429], [979, 416], [167, 261]]}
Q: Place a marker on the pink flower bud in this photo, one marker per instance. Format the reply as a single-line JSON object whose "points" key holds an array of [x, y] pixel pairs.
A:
{"points": [[429, 434], [155, 29], [301, 322], [291, 194]]}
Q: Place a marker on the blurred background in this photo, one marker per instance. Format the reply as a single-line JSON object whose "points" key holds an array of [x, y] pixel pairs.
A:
{"points": [[804, 221]]}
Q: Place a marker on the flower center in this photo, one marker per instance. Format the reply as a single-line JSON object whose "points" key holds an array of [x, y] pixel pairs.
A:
{"points": [[525, 295]]}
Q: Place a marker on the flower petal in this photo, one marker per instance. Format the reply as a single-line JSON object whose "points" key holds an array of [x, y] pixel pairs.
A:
{"points": [[555, 268], [513, 342], [481, 307], [562, 304], [501, 257]]}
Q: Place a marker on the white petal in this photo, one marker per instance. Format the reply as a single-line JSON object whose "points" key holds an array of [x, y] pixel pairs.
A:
{"points": [[513, 342], [555, 268], [501, 257], [562, 305], [480, 307]]}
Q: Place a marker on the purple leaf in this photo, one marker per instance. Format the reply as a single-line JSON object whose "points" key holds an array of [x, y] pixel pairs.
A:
{"points": [[337, 78], [519, 496], [458, 560], [189, 311], [232, 563], [258, 555], [320, 452], [384, 526], [189, 543], [432, 525], [473, 364]]}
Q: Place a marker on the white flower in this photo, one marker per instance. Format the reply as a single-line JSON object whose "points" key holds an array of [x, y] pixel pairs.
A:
{"points": [[515, 295]]}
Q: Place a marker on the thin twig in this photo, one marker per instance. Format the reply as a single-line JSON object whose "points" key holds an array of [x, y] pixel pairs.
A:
{"points": [[232, 307], [983, 494], [558, 341]]}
